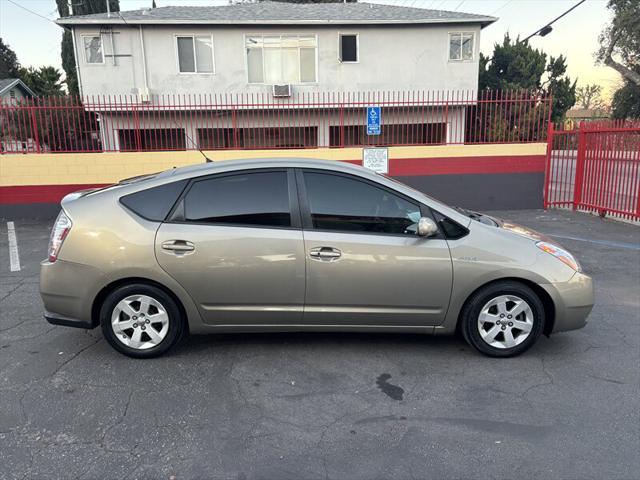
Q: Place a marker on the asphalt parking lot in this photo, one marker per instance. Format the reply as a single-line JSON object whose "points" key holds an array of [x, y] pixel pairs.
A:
{"points": [[341, 406]]}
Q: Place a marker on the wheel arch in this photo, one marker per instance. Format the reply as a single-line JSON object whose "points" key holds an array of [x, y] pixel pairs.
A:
{"points": [[107, 289], [545, 298]]}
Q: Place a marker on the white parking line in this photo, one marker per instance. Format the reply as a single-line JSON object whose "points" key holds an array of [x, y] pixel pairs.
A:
{"points": [[14, 256]]}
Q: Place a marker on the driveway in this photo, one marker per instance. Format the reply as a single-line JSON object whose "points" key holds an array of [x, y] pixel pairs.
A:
{"points": [[311, 406]]}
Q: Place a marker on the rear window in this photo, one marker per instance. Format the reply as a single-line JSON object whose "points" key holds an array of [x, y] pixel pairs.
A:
{"points": [[154, 203]]}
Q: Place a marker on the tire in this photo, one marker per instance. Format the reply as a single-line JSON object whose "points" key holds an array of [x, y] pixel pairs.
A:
{"points": [[141, 321], [502, 319]]}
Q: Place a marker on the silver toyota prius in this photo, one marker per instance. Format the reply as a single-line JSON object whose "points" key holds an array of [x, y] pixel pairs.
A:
{"points": [[299, 245]]}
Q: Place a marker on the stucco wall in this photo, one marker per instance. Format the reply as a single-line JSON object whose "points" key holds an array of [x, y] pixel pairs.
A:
{"points": [[390, 58]]}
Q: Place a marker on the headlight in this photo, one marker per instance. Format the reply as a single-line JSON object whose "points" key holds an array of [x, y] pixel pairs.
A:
{"points": [[560, 253]]}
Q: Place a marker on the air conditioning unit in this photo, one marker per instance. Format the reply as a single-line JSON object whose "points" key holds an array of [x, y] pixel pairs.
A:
{"points": [[144, 95], [281, 91]]}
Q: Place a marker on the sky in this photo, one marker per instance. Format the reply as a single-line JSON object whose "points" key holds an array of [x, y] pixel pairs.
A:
{"points": [[36, 39]]}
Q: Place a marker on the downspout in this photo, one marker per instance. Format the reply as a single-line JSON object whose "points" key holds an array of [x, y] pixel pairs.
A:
{"points": [[75, 58], [113, 50], [144, 63]]}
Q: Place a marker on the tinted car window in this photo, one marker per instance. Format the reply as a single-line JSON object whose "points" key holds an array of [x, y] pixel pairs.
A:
{"points": [[154, 203], [451, 229], [245, 199], [346, 204]]}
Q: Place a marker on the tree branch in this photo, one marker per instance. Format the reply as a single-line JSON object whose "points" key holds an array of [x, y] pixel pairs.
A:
{"points": [[627, 73], [622, 70]]}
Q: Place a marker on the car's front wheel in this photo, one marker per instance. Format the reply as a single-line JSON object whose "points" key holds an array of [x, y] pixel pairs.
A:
{"points": [[503, 319], [141, 320]]}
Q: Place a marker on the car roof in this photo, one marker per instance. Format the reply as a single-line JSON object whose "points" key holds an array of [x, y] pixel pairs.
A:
{"points": [[273, 162]]}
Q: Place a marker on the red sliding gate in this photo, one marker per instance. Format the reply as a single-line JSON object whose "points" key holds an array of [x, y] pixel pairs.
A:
{"points": [[595, 168]]}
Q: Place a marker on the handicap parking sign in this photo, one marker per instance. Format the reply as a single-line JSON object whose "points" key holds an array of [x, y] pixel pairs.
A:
{"points": [[373, 120]]}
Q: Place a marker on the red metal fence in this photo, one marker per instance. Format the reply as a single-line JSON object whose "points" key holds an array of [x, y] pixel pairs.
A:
{"points": [[596, 168], [252, 121]]}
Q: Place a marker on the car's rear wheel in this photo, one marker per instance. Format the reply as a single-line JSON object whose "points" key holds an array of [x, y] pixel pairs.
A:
{"points": [[503, 319], [141, 320]]}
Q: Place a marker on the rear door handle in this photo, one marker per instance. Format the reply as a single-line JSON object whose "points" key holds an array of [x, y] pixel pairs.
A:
{"points": [[325, 253], [178, 246]]}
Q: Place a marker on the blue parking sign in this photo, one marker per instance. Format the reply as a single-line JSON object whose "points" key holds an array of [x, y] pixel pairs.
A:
{"points": [[373, 120]]}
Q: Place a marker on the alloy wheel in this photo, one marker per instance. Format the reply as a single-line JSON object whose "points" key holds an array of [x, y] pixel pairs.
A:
{"points": [[140, 322], [505, 321]]}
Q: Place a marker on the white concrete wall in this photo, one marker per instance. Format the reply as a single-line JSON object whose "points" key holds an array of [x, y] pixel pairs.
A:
{"points": [[390, 58]]}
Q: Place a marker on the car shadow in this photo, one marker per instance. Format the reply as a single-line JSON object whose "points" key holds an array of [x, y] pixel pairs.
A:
{"points": [[201, 343], [362, 341]]}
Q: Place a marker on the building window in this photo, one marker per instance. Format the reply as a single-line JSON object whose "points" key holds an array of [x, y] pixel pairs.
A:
{"points": [[195, 54], [461, 46], [392, 134], [258, 137], [93, 49], [144, 139], [277, 59], [348, 48]]}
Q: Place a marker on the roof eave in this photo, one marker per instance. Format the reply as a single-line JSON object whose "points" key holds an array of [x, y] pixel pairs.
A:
{"points": [[65, 22]]}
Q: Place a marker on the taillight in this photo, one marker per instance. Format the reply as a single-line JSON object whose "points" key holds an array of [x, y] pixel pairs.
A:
{"points": [[59, 232]]}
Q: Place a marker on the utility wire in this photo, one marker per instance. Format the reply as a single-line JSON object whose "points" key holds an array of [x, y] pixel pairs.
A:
{"points": [[440, 4], [459, 5], [32, 12], [554, 20], [500, 8]]}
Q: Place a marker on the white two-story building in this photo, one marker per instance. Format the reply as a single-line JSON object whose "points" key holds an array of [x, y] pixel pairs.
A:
{"points": [[274, 53]]}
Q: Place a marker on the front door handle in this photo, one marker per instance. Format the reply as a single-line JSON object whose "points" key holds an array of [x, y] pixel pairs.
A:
{"points": [[178, 246], [325, 253]]}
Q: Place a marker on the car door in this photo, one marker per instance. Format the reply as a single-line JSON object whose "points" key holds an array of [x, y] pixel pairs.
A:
{"points": [[366, 265], [235, 244]]}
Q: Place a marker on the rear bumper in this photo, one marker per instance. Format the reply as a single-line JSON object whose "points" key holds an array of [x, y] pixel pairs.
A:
{"points": [[573, 302], [67, 290], [55, 319]]}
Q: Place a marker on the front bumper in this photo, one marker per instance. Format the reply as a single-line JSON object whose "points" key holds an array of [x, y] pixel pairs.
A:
{"points": [[573, 302]]}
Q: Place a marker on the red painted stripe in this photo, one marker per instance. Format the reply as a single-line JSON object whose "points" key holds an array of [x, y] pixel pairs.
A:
{"points": [[466, 165], [26, 194]]}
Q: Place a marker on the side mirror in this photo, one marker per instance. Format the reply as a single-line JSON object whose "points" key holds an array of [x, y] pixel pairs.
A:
{"points": [[427, 227]]}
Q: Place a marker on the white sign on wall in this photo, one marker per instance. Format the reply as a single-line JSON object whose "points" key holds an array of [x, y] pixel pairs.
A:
{"points": [[376, 159]]}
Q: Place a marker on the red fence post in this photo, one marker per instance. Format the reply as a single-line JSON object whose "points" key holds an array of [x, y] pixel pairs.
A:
{"points": [[341, 116], [547, 167], [638, 203], [234, 126], [34, 127], [579, 178]]}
